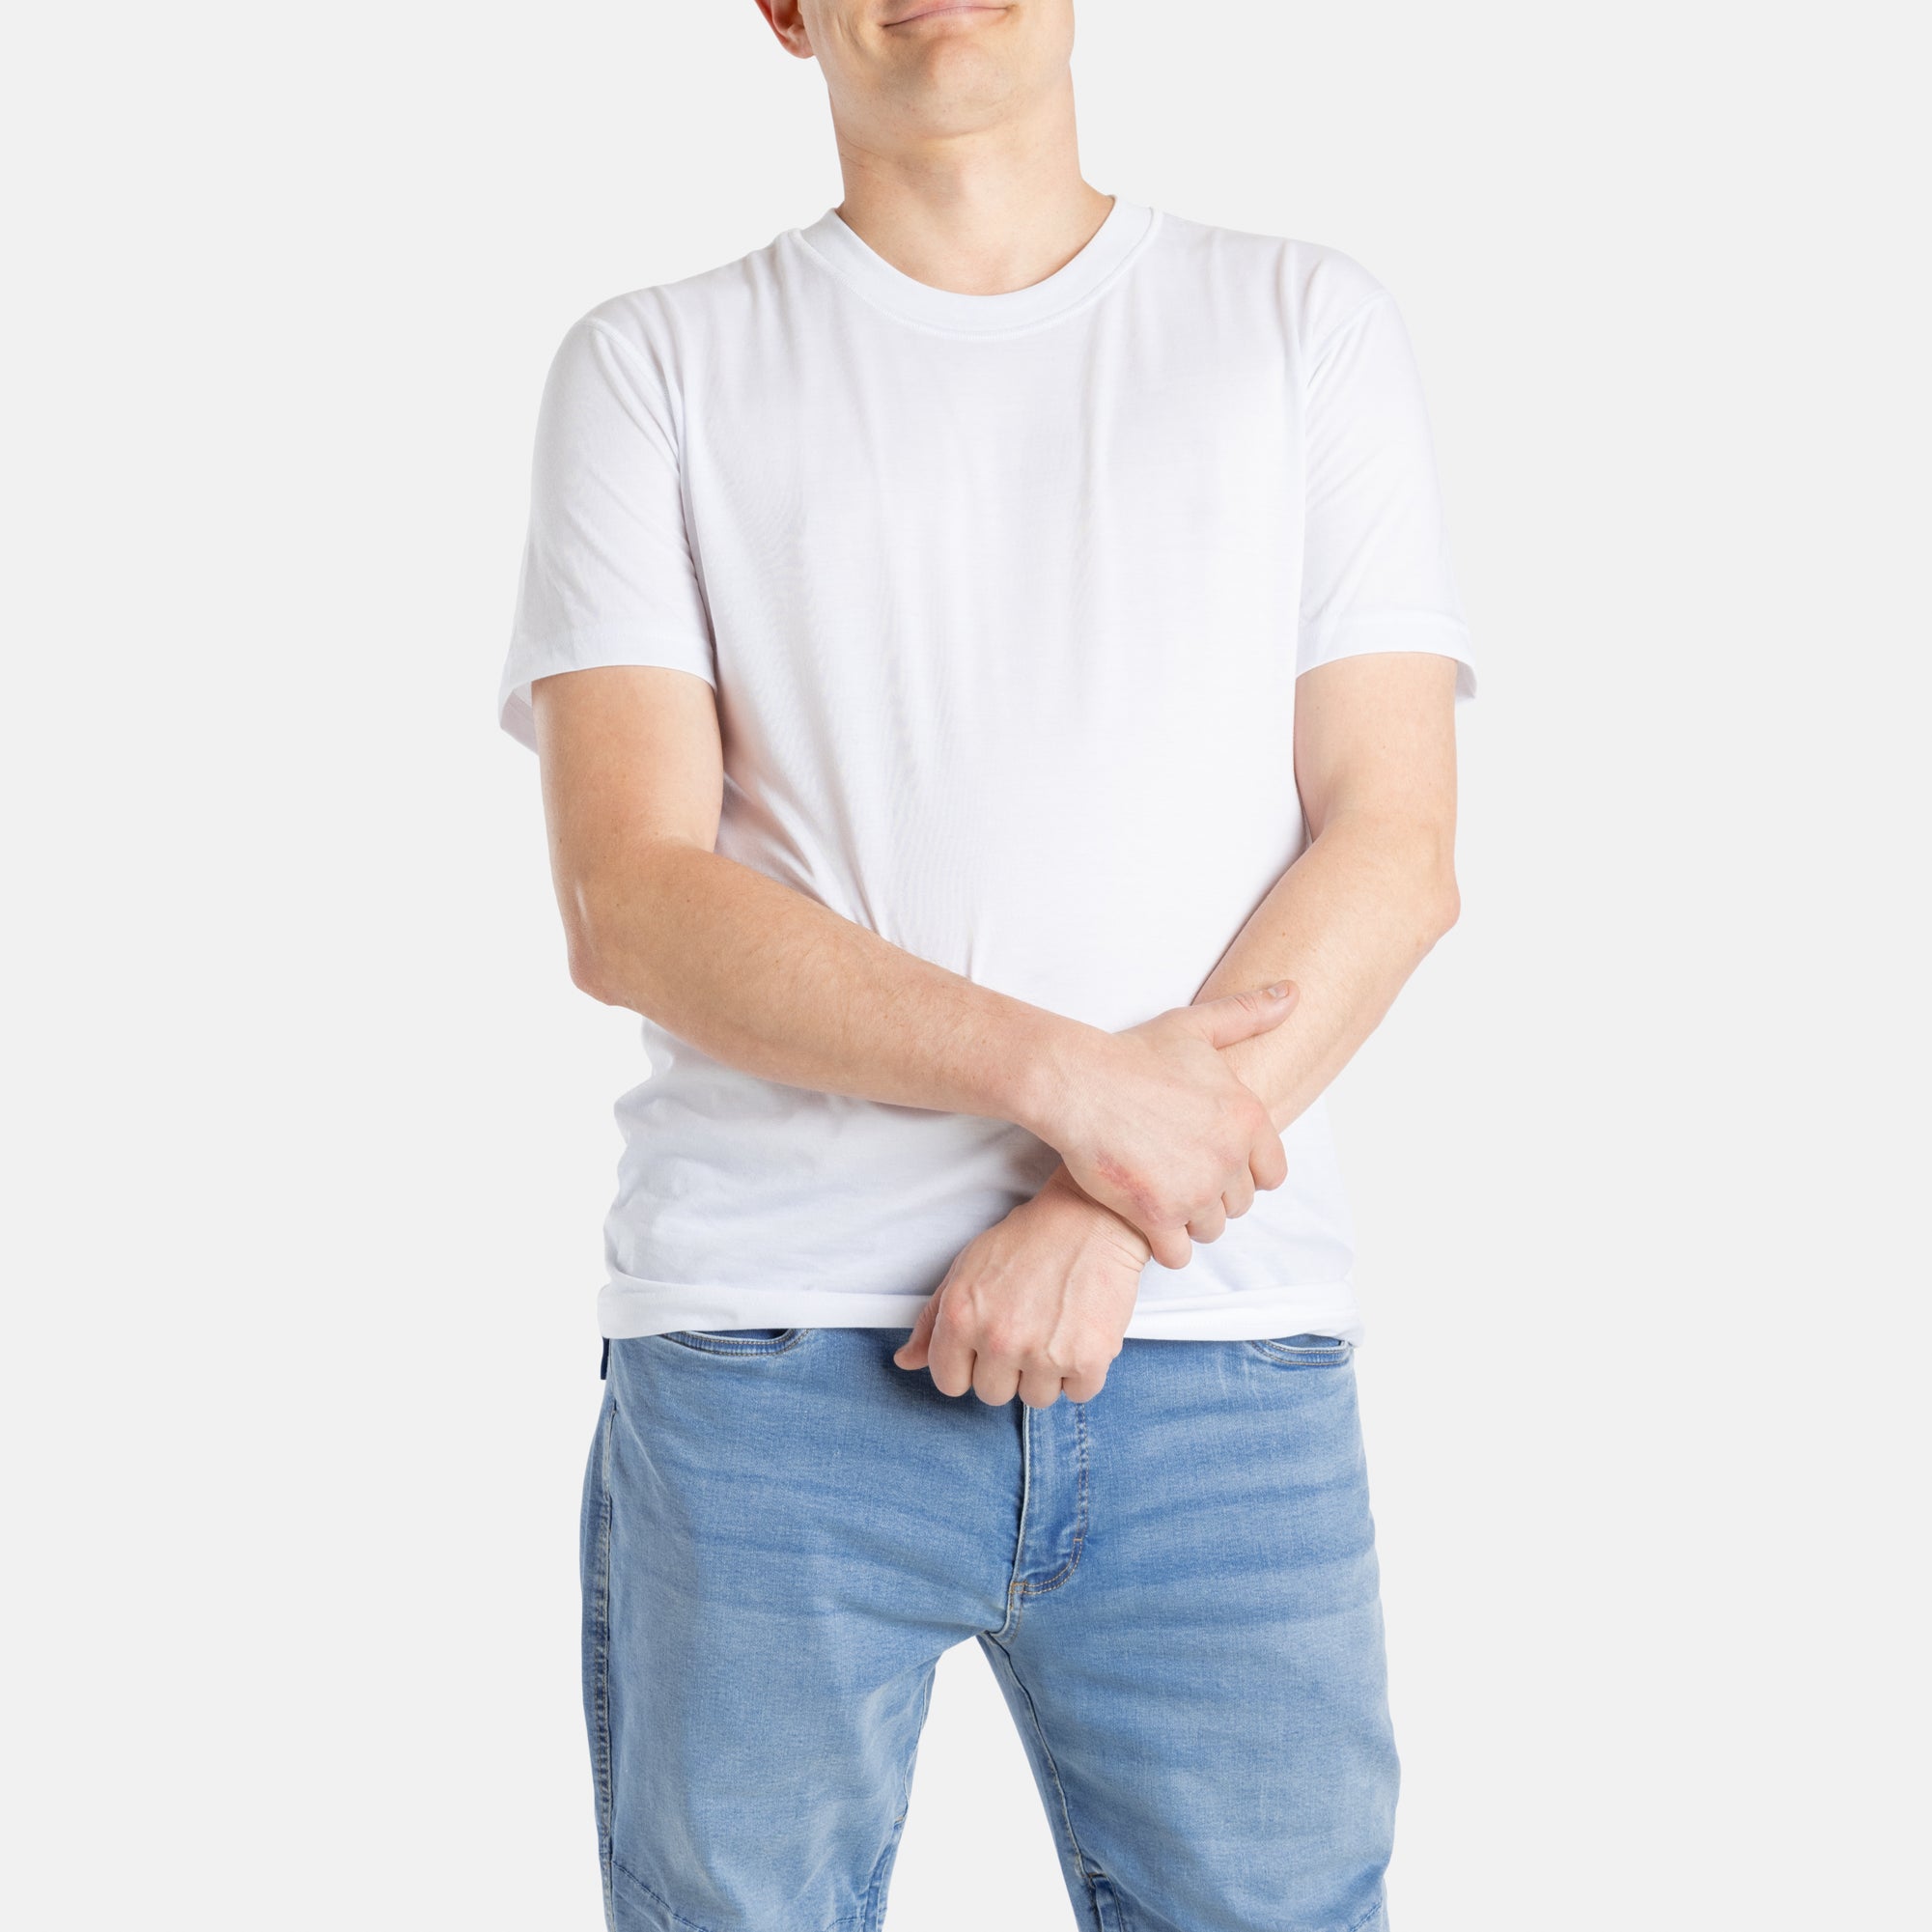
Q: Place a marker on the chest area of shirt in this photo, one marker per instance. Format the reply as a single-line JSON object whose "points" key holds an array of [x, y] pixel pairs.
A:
{"points": [[1125, 451]]}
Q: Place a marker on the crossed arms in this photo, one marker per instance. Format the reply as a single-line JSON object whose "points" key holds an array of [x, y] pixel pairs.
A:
{"points": [[1164, 1130]]}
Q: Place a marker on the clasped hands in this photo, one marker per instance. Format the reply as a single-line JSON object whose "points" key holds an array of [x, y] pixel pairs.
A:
{"points": [[1160, 1145]]}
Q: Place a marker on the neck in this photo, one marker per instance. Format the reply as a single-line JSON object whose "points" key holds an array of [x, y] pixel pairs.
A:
{"points": [[978, 214]]}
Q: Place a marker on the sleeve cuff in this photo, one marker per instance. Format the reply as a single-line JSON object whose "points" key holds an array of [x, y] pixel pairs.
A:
{"points": [[1429, 630], [531, 659]]}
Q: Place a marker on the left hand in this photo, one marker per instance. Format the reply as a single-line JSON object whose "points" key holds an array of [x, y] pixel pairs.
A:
{"points": [[1036, 1306]]}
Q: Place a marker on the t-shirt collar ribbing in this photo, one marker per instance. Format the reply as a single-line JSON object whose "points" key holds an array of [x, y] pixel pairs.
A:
{"points": [[1127, 225]]}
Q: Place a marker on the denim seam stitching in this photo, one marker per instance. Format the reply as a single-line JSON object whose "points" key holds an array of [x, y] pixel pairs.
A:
{"points": [[1073, 1562], [1369, 1918], [1087, 1874], [724, 1346], [657, 1898], [1302, 1359], [606, 1796], [874, 1916], [1116, 1911], [1016, 1590], [847, 1922]]}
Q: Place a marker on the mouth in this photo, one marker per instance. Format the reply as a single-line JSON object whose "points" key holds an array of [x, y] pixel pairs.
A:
{"points": [[942, 8]]}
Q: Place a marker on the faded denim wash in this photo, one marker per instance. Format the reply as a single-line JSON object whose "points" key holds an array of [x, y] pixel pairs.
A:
{"points": [[1175, 1585]]}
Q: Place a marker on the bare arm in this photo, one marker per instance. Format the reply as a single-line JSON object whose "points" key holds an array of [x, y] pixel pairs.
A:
{"points": [[1040, 1301], [1375, 762], [764, 978], [748, 970]]}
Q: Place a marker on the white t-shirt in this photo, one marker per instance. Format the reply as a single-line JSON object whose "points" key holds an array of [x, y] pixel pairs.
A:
{"points": [[1004, 599]]}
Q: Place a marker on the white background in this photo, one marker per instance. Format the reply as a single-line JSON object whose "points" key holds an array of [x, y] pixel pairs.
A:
{"points": [[311, 1135]]}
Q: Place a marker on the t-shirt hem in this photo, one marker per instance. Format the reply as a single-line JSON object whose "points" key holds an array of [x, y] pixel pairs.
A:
{"points": [[630, 1308]]}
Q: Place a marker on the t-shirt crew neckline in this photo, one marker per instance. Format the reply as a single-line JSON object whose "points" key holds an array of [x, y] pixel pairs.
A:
{"points": [[1111, 245]]}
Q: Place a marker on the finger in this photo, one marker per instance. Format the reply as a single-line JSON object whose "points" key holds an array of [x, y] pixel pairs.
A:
{"points": [[1169, 1246], [911, 1352], [1241, 1016], [1039, 1387], [1239, 1196], [1210, 1224], [1268, 1161], [1085, 1383], [994, 1379], [949, 1359]]}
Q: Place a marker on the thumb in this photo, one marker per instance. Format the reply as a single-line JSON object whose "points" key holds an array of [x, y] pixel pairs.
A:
{"points": [[912, 1351], [1241, 1016]]}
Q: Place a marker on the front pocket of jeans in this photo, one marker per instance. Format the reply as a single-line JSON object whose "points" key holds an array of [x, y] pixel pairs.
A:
{"points": [[702, 1341], [1295, 1352]]}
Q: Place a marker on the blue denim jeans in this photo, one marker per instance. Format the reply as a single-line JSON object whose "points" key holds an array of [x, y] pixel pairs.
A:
{"points": [[1175, 1585]]}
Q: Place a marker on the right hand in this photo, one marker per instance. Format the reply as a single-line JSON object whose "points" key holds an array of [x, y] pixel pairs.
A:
{"points": [[1154, 1124]]}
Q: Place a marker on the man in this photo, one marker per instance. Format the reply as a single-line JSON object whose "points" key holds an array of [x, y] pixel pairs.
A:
{"points": [[994, 657]]}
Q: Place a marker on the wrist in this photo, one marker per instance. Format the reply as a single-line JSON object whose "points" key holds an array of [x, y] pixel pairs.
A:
{"points": [[1064, 1198], [1252, 1069], [1046, 1072]]}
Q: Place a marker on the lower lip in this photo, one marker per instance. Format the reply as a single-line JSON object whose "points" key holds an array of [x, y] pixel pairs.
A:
{"points": [[942, 13]]}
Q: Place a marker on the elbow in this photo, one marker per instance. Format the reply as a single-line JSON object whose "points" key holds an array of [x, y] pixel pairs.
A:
{"points": [[1411, 857], [1435, 902], [590, 972], [593, 951], [617, 918]]}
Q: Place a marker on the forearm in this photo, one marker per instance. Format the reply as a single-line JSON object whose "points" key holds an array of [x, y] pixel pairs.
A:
{"points": [[1348, 922], [769, 981]]}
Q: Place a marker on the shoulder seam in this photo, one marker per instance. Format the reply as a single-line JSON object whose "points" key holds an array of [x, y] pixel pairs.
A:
{"points": [[673, 435], [597, 324], [1347, 323]]}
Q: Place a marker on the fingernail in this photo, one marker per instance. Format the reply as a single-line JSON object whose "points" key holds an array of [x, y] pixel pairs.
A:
{"points": [[1279, 991]]}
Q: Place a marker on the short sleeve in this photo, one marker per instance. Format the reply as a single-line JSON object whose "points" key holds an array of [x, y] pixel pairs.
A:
{"points": [[607, 575], [1376, 572]]}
